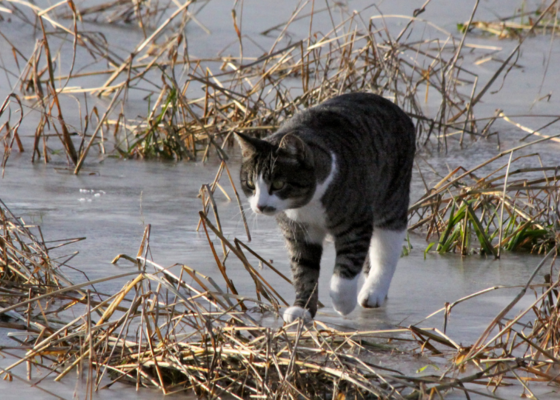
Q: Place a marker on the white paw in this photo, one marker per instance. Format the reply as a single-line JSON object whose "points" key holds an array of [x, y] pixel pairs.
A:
{"points": [[384, 252], [343, 294], [373, 295], [295, 312]]}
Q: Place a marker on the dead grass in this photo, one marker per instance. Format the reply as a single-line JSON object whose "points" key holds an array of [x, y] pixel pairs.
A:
{"points": [[426, 77], [511, 208], [522, 21], [181, 331]]}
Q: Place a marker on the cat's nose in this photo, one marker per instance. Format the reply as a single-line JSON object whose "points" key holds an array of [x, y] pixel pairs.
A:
{"points": [[265, 209]]}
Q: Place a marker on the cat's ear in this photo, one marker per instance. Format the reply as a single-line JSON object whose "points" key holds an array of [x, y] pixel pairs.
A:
{"points": [[296, 147], [248, 144]]}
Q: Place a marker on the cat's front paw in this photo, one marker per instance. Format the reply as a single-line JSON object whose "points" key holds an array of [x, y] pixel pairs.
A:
{"points": [[295, 312], [373, 296], [343, 294]]}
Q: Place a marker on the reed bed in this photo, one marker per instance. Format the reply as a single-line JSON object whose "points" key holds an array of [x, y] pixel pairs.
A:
{"points": [[27, 270], [181, 331], [428, 77], [509, 208]]}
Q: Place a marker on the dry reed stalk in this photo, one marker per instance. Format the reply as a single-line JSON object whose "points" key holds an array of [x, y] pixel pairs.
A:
{"points": [[11, 134]]}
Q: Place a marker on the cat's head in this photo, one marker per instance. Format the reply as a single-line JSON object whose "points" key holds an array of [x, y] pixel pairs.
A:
{"points": [[276, 175]]}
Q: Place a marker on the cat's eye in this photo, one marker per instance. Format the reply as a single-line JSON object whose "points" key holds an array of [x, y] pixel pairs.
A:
{"points": [[278, 184], [250, 184]]}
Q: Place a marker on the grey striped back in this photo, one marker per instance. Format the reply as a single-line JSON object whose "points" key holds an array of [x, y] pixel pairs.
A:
{"points": [[374, 144]]}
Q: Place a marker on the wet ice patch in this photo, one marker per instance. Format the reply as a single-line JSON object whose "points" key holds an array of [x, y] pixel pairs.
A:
{"points": [[90, 195]]}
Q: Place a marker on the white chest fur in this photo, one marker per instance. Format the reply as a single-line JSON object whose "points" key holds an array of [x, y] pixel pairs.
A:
{"points": [[313, 213]]}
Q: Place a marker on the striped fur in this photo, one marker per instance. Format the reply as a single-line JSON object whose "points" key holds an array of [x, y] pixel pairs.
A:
{"points": [[342, 168]]}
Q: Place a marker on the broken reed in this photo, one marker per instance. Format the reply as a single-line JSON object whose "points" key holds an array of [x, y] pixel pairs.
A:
{"points": [[181, 331], [145, 14], [477, 211], [516, 25], [25, 263], [27, 270], [253, 95]]}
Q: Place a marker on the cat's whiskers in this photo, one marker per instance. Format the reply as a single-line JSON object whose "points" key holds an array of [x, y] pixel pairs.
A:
{"points": [[238, 218], [253, 221]]}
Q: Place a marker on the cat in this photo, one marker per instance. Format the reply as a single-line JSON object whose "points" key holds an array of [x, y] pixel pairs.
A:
{"points": [[342, 168]]}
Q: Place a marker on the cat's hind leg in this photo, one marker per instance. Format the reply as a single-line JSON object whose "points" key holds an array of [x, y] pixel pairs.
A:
{"points": [[352, 244], [384, 252]]}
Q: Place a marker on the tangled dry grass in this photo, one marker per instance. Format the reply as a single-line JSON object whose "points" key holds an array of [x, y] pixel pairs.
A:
{"points": [[181, 331], [427, 77], [513, 209]]}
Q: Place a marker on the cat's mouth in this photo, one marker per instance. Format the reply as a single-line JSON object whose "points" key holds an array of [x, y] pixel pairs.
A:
{"points": [[266, 210]]}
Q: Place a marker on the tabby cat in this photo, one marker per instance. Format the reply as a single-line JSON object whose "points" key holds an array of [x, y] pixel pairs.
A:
{"points": [[343, 169]]}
